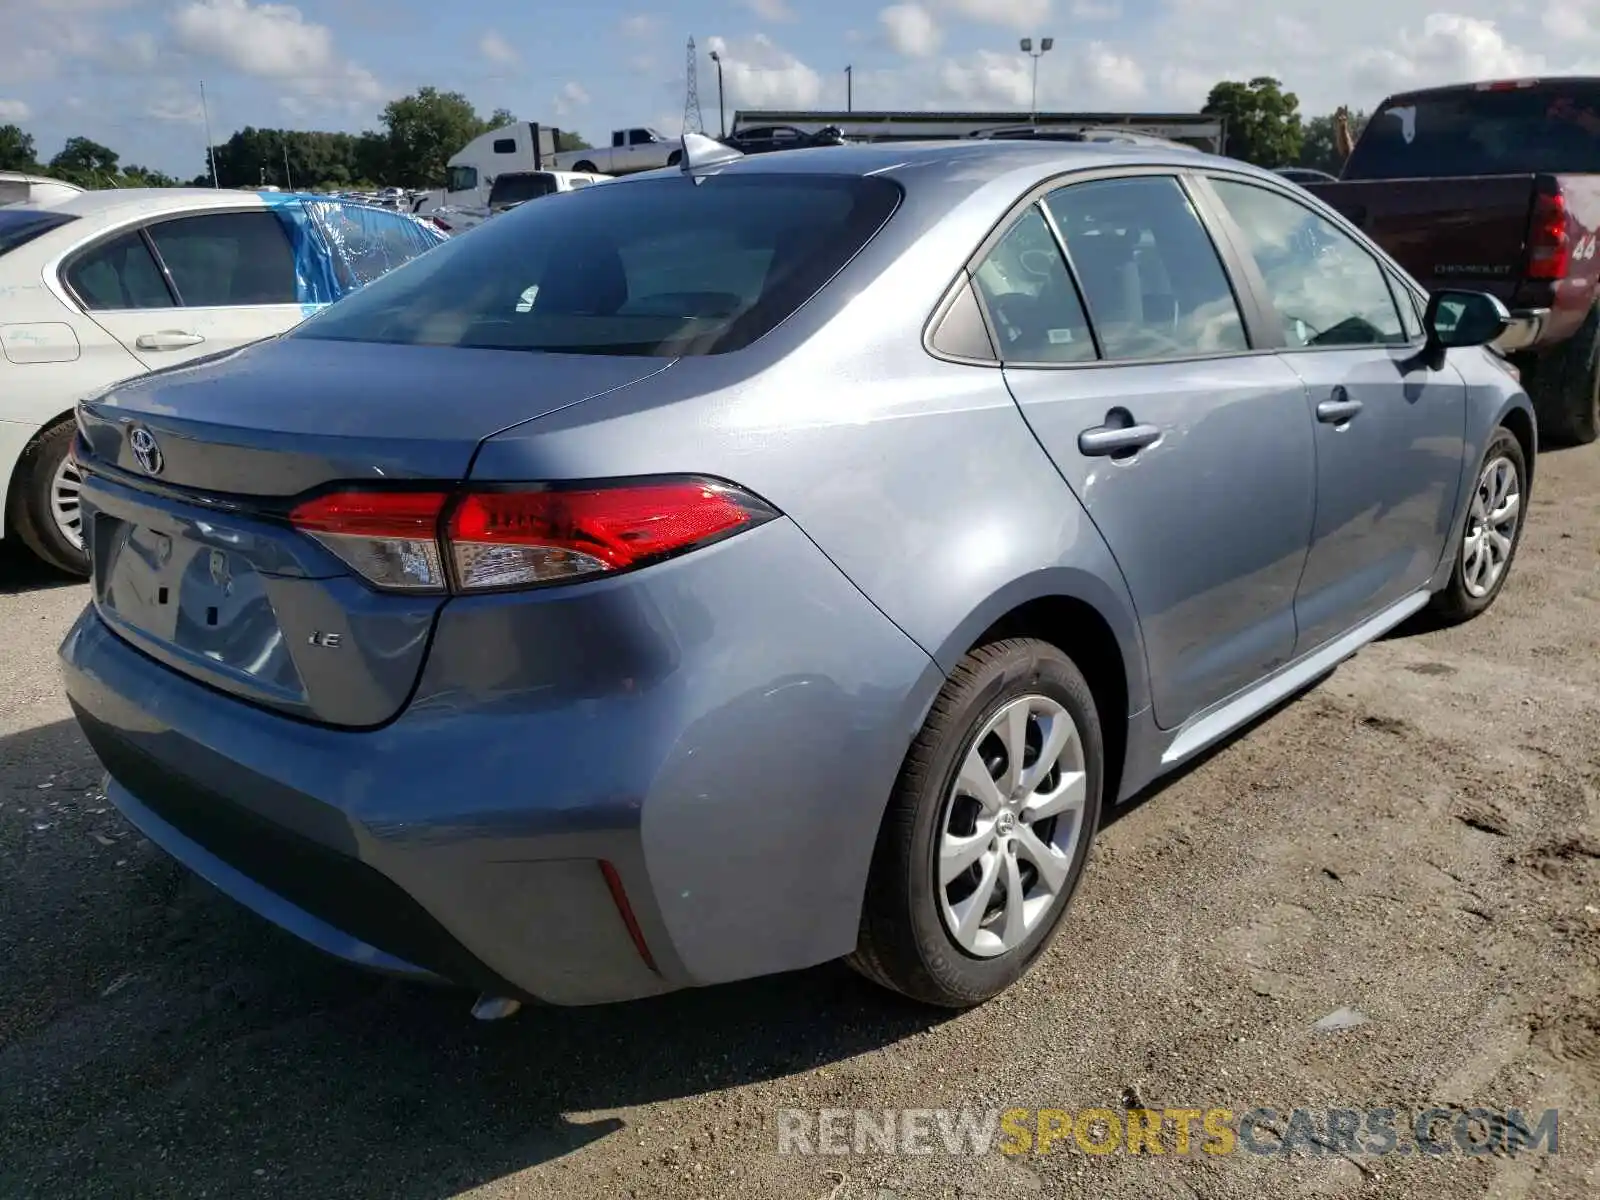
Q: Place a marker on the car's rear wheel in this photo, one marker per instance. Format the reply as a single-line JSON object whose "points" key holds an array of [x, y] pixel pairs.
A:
{"points": [[586, 167], [45, 494], [987, 832], [1492, 531]]}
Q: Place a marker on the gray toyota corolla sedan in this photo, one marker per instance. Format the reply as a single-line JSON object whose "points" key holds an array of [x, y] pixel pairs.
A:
{"points": [[743, 566]]}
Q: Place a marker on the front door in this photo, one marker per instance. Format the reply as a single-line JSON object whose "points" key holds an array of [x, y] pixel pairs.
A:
{"points": [[1390, 431], [1192, 456]]}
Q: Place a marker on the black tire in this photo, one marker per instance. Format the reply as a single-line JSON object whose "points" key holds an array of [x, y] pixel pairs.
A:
{"points": [[674, 158], [586, 166], [29, 513], [1455, 603], [904, 944], [1564, 386]]}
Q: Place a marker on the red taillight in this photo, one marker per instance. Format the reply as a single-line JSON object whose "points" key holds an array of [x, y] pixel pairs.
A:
{"points": [[1549, 244], [509, 538], [1506, 85]]}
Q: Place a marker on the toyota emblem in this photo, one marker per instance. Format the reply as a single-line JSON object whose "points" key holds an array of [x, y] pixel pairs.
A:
{"points": [[143, 444]]}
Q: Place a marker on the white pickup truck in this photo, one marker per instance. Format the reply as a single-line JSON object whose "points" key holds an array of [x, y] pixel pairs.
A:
{"points": [[630, 150]]}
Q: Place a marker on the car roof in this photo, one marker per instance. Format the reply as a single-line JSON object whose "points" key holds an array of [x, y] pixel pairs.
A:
{"points": [[114, 204], [962, 167]]}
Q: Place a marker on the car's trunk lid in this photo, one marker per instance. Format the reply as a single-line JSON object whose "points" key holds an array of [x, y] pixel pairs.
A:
{"points": [[190, 474]]}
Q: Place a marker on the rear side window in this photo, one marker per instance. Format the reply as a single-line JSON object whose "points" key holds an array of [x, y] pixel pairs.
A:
{"points": [[1031, 302], [19, 226], [118, 275], [1326, 289], [1152, 278], [227, 259], [657, 267], [514, 189], [1552, 127]]}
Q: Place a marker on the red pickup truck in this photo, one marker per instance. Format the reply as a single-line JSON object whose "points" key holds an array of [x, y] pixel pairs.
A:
{"points": [[1496, 187]]}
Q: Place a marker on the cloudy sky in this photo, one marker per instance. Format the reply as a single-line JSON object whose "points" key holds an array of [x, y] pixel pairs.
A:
{"points": [[127, 72]]}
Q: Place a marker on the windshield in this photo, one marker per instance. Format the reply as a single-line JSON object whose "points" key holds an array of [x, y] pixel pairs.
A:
{"points": [[1550, 128], [657, 267], [21, 225], [514, 189]]}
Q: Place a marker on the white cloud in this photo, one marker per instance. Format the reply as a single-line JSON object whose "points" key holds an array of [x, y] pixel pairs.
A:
{"points": [[640, 26], [911, 30], [1096, 10], [770, 10], [757, 73], [275, 42], [497, 51], [14, 110], [569, 97], [1025, 16]]}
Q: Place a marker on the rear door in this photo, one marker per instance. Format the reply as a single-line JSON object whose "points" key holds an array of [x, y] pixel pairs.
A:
{"points": [[182, 287], [1191, 452], [1390, 431]]}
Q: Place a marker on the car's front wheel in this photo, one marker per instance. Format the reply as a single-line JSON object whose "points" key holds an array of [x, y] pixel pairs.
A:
{"points": [[44, 509], [987, 832], [1492, 531]]}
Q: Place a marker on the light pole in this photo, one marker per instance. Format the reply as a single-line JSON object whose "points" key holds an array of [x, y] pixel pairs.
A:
{"points": [[849, 89], [1027, 48], [722, 121]]}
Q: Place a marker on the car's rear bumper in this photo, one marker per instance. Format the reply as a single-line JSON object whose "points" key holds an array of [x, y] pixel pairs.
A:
{"points": [[723, 729]]}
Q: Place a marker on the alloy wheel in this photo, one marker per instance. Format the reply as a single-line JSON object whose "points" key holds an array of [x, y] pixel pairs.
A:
{"points": [[66, 492], [1491, 527], [1010, 826]]}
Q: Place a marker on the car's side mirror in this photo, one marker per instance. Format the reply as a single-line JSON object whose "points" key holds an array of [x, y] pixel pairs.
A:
{"points": [[1455, 319]]}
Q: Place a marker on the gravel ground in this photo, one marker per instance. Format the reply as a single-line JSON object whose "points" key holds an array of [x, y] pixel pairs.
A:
{"points": [[1417, 839]]}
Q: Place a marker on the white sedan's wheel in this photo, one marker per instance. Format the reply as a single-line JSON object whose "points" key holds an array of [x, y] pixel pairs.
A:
{"points": [[66, 488]]}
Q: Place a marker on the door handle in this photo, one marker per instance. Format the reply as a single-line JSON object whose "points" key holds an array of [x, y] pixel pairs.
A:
{"points": [[168, 339], [1117, 439], [1339, 410]]}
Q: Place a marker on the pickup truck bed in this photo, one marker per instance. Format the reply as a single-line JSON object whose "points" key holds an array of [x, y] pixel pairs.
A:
{"points": [[1496, 188]]}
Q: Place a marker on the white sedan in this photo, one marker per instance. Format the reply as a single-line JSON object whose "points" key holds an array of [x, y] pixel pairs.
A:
{"points": [[112, 284]]}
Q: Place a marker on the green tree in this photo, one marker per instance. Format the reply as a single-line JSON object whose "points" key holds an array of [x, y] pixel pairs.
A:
{"points": [[1263, 120], [1317, 148], [17, 152], [566, 140], [499, 118], [424, 129], [137, 176], [85, 162]]}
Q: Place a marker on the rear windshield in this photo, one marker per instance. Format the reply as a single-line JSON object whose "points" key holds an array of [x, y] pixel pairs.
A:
{"points": [[658, 267], [20, 225], [514, 189], [1550, 128]]}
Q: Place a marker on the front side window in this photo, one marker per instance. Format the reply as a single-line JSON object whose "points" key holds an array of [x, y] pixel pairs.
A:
{"points": [[658, 267], [461, 179], [1032, 305], [1326, 289], [1153, 281], [220, 260], [118, 274]]}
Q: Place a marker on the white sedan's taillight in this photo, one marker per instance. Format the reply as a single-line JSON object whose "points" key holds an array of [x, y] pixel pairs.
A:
{"points": [[489, 539]]}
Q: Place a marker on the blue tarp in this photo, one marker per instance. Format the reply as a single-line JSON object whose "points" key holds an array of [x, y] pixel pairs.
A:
{"points": [[340, 245]]}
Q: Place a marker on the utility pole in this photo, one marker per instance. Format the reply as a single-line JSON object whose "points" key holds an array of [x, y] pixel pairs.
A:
{"points": [[1027, 48], [211, 153], [722, 117], [849, 89], [288, 179]]}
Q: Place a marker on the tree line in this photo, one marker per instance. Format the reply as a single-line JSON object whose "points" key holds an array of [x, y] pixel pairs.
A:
{"points": [[417, 135], [1264, 126]]}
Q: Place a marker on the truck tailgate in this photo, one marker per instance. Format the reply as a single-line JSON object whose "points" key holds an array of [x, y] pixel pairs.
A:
{"points": [[1464, 232]]}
